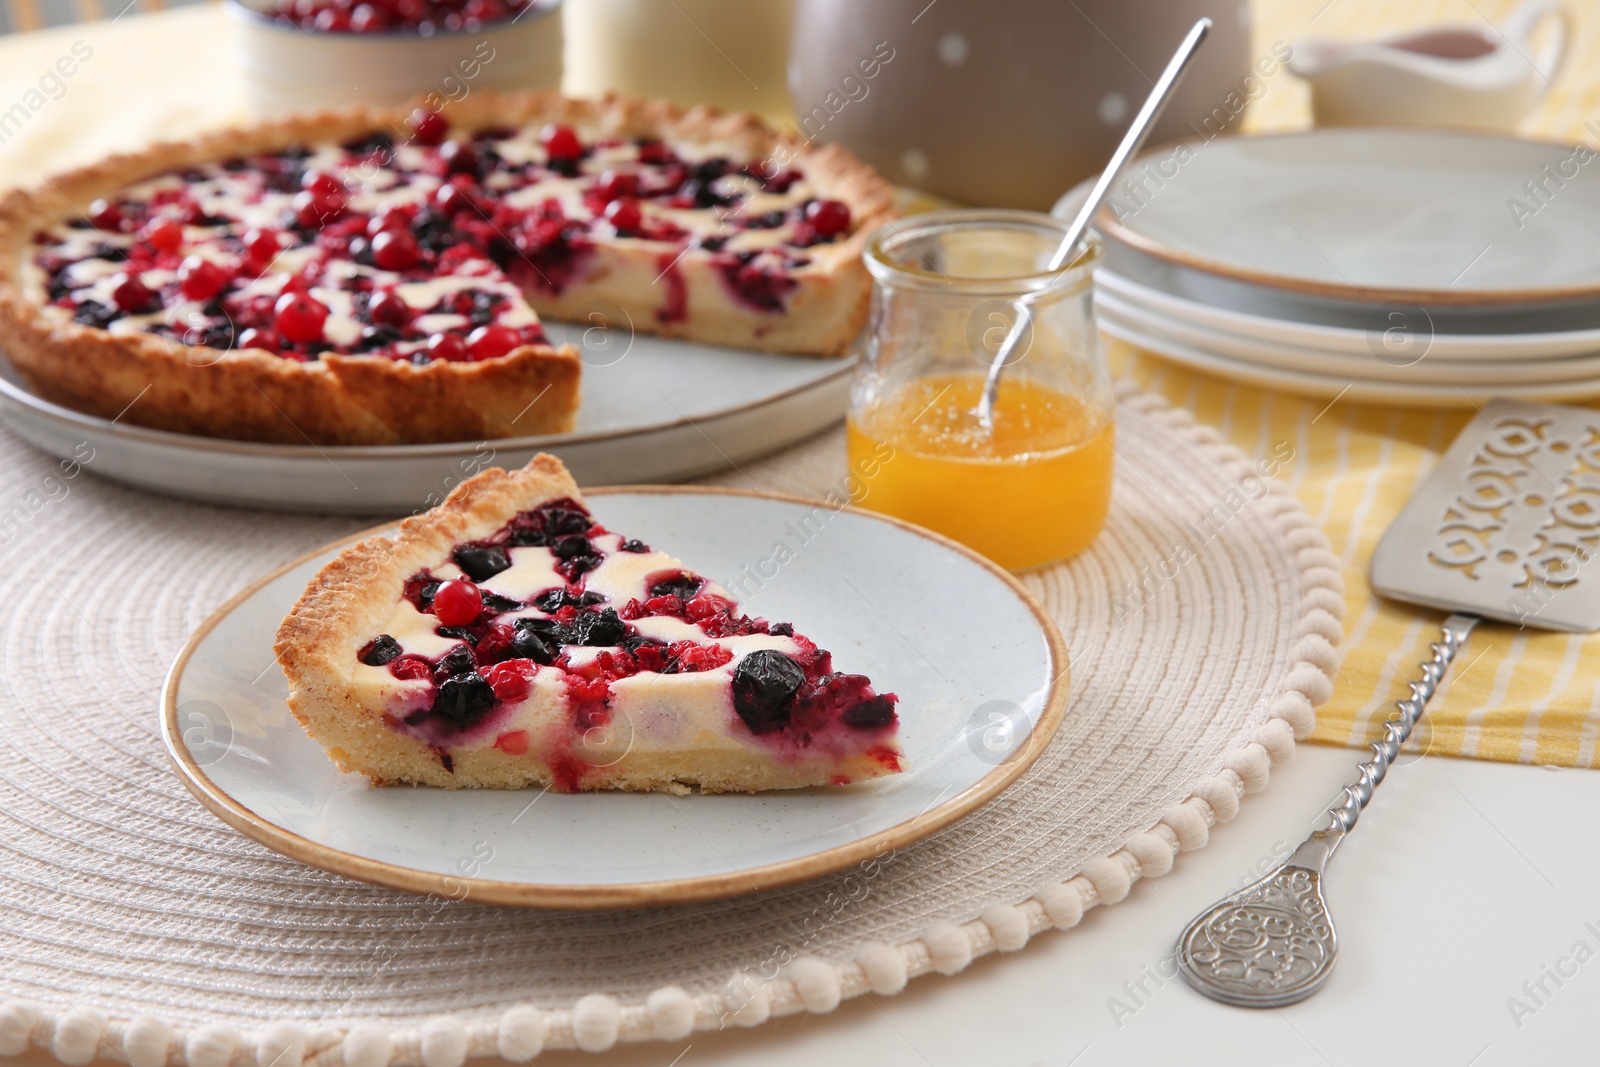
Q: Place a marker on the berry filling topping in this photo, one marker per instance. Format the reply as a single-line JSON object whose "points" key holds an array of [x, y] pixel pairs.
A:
{"points": [[421, 17], [417, 244], [554, 599]]}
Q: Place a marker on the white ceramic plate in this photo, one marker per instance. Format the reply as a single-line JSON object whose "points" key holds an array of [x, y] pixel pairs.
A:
{"points": [[1415, 364], [1408, 394], [1520, 347], [1373, 214], [653, 410], [981, 692], [1363, 314]]}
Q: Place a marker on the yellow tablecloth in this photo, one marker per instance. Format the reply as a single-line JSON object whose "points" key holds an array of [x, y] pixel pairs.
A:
{"points": [[1519, 696]]}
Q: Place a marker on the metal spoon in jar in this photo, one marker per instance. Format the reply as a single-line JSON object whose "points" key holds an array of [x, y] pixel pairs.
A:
{"points": [[1131, 142]]}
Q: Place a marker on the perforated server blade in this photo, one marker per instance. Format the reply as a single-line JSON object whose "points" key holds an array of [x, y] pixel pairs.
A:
{"points": [[1503, 529], [1504, 526]]}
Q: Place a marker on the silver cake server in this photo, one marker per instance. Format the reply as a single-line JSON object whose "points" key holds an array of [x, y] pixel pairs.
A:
{"points": [[1501, 530]]}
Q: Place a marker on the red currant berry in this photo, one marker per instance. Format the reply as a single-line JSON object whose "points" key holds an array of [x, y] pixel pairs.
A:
{"points": [[624, 215], [200, 279], [132, 296], [458, 158], [454, 257], [511, 680], [255, 310], [254, 338], [561, 142], [105, 215], [261, 245], [387, 308], [394, 250], [427, 127], [705, 606], [828, 217], [165, 235], [390, 218], [451, 198], [512, 742], [300, 317], [457, 602], [780, 181], [613, 185], [315, 208], [492, 342], [447, 346], [321, 182], [410, 668], [655, 152]]}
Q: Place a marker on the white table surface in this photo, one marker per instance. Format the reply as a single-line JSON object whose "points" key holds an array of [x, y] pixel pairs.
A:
{"points": [[1463, 881]]}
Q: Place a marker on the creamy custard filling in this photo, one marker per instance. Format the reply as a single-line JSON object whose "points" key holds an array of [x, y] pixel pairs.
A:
{"points": [[557, 639], [422, 249]]}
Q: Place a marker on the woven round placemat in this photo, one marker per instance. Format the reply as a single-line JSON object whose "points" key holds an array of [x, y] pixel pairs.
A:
{"points": [[1202, 627]]}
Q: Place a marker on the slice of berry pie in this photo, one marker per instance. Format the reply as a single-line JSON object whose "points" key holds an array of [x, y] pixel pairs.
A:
{"points": [[507, 639], [377, 276]]}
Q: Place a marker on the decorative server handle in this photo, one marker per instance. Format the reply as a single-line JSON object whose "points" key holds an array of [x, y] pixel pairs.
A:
{"points": [[1343, 815]]}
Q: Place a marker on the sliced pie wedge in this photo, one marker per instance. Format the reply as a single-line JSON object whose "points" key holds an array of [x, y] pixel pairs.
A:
{"points": [[506, 639]]}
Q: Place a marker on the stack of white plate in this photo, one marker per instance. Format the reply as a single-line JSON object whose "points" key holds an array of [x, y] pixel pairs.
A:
{"points": [[1396, 266]]}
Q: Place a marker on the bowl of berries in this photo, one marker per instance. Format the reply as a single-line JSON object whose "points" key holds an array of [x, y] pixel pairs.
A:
{"points": [[303, 54]]}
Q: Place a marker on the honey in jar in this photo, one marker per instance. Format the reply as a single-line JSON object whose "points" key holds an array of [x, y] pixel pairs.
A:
{"points": [[1034, 486]]}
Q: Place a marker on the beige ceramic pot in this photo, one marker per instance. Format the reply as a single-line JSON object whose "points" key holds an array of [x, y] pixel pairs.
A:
{"points": [[727, 53], [1011, 102]]}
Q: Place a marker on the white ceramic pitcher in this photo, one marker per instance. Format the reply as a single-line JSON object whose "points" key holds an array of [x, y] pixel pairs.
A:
{"points": [[1462, 76]]}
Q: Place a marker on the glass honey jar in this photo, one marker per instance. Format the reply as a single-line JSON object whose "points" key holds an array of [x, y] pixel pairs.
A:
{"points": [[1033, 487]]}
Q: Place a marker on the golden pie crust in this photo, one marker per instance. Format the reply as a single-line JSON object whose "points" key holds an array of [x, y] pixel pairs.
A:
{"points": [[353, 596]]}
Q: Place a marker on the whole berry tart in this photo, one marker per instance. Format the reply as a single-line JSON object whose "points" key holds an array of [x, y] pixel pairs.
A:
{"points": [[507, 639], [376, 276]]}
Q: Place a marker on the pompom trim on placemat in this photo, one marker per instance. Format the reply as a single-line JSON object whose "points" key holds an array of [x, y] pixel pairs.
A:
{"points": [[598, 1021]]}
